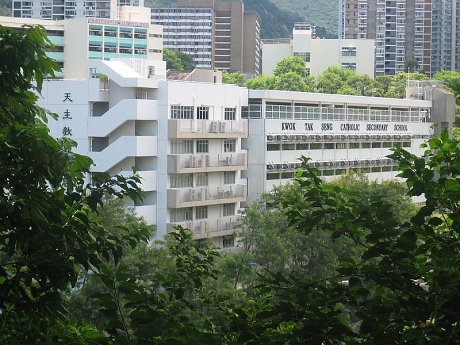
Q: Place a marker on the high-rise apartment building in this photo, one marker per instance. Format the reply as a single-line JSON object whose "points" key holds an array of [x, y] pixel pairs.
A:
{"points": [[216, 34], [445, 35], [401, 29], [61, 9]]}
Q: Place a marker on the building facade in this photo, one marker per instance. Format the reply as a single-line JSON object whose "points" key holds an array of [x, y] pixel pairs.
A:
{"points": [[339, 133], [60, 9], [319, 54], [203, 150], [183, 137], [445, 35], [401, 29], [77, 40], [218, 35]]}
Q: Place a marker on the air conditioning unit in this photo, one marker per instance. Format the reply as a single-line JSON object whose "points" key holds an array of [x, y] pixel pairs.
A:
{"points": [[206, 160], [229, 160], [193, 162], [195, 195], [214, 127], [220, 194], [222, 127], [188, 225], [203, 227]]}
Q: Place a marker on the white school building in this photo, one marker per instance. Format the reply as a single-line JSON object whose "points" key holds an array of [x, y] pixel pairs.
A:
{"points": [[206, 149]]}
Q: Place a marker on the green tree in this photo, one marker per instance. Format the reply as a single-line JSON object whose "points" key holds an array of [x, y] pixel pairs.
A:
{"points": [[233, 78], [451, 79], [146, 303], [348, 90], [411, 66], [261, 82], [290, 81], [362, 84], [49, 228], [292, 64], [329, 83], [397, 87], [382, 84], [177, 60], [404, 287]]}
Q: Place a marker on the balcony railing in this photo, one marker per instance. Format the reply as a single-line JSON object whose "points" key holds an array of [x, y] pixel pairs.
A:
{"points": [[208, 129], [201, 196], [207, 228], [205, 162]]}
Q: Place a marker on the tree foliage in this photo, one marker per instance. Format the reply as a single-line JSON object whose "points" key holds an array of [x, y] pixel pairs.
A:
{"points": [[236, 78], [178, 60], [291, 74], [49, 225]]}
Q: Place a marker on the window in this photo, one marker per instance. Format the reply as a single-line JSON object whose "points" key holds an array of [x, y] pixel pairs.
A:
{"points": [[348, 51], [181, 214], [229, 177], [376, 169], [315, 146], [349, 65], [288, 147], [386, 168], [287, 175], [302, 146], [181, 112], [229, 145], [304, 56], [407, 144], [228, 210], [202, 113], [181, 146], [230, 114], [273, 147], [365, 145], [328, 172], [341, 145], [354, 145], [387, 144], [201, 212], [180, 180], [273, 176], [201, 179], [228, 241], [329, 146], [376, 145], [202, 146]]}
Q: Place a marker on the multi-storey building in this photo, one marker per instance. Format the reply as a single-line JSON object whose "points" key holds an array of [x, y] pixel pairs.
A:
{"points": [[445, 35], [60, 9], [319, 54], [339, 133], [218, 35], [183, 137], [401, 29], [204, 149], [80, 39]]}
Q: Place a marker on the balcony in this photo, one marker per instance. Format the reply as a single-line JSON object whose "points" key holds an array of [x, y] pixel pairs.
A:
{"points": [[202, 196], [205, 163], [208, 228], [188, 129]]}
